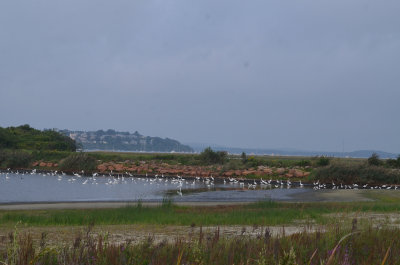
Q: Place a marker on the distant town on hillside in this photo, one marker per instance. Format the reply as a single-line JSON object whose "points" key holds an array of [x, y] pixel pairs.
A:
{"points": [[124, 141]]}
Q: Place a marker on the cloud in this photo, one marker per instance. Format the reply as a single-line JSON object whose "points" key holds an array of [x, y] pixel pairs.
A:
{"points": [[301, 74]]}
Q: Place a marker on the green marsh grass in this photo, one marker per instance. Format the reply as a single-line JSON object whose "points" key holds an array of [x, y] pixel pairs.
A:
{"points": [[260, 213]]}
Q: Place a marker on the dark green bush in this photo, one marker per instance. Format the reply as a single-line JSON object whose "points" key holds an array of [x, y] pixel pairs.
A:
{"points": [[208, 156], [78, 162], [374, 160], [243, 157], [391, 163], [323, 161]]}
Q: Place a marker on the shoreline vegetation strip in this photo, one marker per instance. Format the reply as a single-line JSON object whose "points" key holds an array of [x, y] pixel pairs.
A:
{"points": [[260, 213]]}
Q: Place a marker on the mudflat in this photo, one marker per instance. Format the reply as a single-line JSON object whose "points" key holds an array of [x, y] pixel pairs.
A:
{"points": [[332, 196], [102, 205], [306, 196]]}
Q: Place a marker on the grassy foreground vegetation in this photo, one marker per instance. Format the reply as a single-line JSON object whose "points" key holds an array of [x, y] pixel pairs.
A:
{"points": [[339, 240], [340, 243]]}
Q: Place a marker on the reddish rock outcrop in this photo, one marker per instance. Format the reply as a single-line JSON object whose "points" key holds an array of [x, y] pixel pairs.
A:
{"points": [[102, 167], [202, 171]]}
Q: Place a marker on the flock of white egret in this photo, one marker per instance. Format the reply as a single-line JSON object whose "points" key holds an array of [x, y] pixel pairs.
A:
{"points": [[180, 182]]}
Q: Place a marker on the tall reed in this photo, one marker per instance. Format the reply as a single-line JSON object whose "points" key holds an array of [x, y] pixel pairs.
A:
{"points": [[339, 244]]}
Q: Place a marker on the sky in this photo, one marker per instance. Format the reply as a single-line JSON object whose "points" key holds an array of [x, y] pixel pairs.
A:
{"points": [[309, 75]]}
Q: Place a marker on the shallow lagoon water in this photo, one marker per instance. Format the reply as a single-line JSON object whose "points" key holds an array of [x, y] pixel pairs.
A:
{"points": [[32, 188]]}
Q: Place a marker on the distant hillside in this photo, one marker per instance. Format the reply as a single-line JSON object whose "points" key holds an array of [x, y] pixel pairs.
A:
{"points": [[28, 138], [198, 147], [124, 141]]}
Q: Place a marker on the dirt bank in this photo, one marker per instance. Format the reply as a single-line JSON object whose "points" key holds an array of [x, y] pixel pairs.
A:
{"points": [[119, 234]]}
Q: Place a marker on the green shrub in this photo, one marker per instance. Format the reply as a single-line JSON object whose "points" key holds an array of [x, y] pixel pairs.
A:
{"points": [[391, 163], [208, 156], [323, 161], [243, 157], [374, 160], [78, 162]]}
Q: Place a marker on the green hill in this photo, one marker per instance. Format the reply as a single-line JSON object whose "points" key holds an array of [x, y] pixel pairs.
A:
{"points": [[28, 138]]}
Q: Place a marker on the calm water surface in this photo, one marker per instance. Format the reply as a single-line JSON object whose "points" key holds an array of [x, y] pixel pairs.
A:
{"points": [[17, 188]]}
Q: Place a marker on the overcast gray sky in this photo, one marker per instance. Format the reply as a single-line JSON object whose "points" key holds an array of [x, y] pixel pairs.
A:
{"points": [[303, 74]]}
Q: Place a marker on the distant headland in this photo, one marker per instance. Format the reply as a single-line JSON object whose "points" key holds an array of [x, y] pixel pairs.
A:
{"points": [[112, 140]]}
